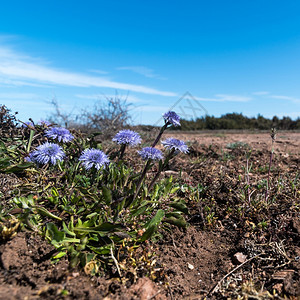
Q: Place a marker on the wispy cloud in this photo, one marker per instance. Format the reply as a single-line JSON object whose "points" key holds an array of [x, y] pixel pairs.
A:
{"points": [[225, 98], [269, 95], [128, 98], [16, 96], [23, 69], [98, 71], [142, 71], [6, 82], [153, 108], [282, 97]]}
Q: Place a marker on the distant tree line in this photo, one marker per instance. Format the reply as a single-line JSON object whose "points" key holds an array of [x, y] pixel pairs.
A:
{"points": [[239, 121]]}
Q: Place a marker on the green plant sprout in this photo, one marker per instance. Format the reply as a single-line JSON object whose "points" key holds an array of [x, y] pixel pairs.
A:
{"points": [[273, 137]]}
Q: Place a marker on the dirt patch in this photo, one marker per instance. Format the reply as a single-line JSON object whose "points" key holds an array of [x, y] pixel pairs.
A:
{"points": [[27, 273], [194, 261], [286, 142]]}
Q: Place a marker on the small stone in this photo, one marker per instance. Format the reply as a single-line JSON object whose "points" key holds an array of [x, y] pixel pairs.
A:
{"points": [[278, 287], [239, 258], [247, 234], [191, 267]]}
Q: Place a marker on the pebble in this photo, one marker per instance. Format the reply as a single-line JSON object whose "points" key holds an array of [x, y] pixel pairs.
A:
{"points": [[239, 258]]}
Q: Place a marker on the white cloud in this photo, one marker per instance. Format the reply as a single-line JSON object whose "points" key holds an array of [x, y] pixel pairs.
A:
{"points": [[153, 108], [282, 97], [128, 98], [98, 71], [6, 82], [18, 96], [26, 102], [19, 68], [142, 71], [225, 98]]}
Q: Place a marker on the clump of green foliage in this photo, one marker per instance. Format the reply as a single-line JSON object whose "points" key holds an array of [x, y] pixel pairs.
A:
{"points": [[89, 207]]}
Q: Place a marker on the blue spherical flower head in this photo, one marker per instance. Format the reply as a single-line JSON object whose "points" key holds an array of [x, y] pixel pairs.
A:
{"points": [[47, 153], [27, 124], [150, 153], [94, 158], [59, 133], [127, 137], [171, 117], [44, 123], [175, 144]]}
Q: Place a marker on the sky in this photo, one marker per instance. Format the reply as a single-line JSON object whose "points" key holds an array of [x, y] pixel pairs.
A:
{"points": [[195, 57]]}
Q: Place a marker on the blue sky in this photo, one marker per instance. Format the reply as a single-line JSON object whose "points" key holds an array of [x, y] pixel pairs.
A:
{"points": [[231, 56]]}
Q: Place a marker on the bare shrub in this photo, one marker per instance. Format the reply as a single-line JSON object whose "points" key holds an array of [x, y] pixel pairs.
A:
{"points": [[8, 122], [59, 117], [111, 115], [107, 116]]}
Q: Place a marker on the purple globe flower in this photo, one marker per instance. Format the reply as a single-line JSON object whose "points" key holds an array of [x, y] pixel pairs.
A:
{"points": [[172, 118], [59, 133], [150, 153], [46, 153], [94, 158], [127, 137], [43, 123], [175, 144], [27, 124]]}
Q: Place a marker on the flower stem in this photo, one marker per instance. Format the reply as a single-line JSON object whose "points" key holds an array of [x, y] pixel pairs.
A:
{"points": [[122, 151], [161, 168], [159, 135], [138, 187]]}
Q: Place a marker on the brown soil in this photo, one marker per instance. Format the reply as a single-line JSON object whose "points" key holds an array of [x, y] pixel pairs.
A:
{"points": [[218, 260], [286, 142]]}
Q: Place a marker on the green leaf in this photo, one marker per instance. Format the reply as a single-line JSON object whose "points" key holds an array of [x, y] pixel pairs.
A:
{"points": [[66, 230], [107, 195], [151, 227], [54, 192], [120, 206], [18, 168], [105, 227], [70, 240], [56, 237], [175, 214], [178, 221], [174, 189], [91, 215], [160, 165], [140, 210], [181, 206], [59, 255], [155, 193], [104, 250], [45, 212], [4, 162], [80, 210]]}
